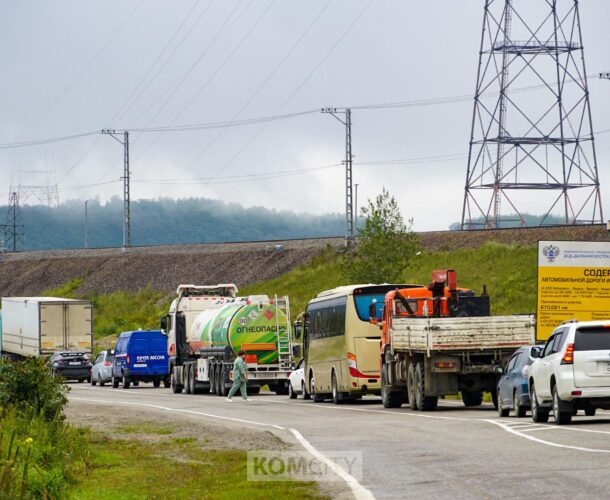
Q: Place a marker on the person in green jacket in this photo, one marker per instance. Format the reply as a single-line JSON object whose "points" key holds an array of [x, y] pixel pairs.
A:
{"points": [[240, 375]]}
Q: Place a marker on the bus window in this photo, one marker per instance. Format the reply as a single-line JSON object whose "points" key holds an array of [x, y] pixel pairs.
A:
{"points": [[363, 302]]}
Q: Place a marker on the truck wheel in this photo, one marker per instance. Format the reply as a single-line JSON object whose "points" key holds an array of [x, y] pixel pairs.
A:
{"points": [[176, 387], [472, 398], [590, 411], [254, 390], [115, 382], [539, 415], [303, 391], [136, 383], [519, 410], [390, 399], [560, 417], [187, 379], [411, 387], [282, 389], [156, 383], [167, 382], [126, 382], [424, 403]]}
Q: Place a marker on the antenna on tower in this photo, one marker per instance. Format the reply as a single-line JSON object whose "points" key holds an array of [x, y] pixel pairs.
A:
{"points": [[536, 152]]}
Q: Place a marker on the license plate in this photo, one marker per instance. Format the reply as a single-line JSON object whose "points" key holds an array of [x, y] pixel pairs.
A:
{"points": [[72, 363]]}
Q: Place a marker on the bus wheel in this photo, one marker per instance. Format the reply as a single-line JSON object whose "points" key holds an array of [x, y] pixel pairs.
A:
{"points": [[390, 399], [338, 398], [317, 398]]}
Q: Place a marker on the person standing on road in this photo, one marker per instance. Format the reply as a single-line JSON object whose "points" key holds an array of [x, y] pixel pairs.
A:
{"points": [[240, 375]]}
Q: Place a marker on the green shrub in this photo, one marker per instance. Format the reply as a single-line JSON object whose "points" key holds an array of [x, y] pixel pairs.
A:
{"points": [[29, 388], [39, 458]]}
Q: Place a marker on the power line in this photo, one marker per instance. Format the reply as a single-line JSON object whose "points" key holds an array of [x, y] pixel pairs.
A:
{"points": [[40, 142], [84, 70], [276, 68]]}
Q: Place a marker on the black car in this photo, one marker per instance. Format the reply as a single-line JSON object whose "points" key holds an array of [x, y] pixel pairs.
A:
{"points": [[71, 365]]}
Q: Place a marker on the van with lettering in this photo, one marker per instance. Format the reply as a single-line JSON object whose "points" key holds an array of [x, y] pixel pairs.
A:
{"points": [[141, 356]]}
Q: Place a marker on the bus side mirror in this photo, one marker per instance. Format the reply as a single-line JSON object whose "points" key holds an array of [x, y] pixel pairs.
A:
{"points": [[164, 323], [296, 350], [373, 310], [298, 329]]}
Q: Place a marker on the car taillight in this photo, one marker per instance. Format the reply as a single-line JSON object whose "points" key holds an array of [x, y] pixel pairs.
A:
{"points": [[107, 363], [127, 360], [568, 356]]}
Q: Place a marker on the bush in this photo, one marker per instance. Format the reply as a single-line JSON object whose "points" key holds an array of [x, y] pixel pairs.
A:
{"points": [[29, 388]]}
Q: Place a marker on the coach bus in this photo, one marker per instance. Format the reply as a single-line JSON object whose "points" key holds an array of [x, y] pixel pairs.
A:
{"points": [[340, 346]]}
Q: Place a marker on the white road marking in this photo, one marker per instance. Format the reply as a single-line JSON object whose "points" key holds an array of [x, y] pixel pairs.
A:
{"points": [[509, 429], [359, 491], [179, 410]]}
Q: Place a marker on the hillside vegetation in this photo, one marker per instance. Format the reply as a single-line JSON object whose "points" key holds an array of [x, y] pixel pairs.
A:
{"points": [[508, 271]]}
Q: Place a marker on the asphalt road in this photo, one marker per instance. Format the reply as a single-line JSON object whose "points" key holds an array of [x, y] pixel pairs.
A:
{"points": [[451, 453]]}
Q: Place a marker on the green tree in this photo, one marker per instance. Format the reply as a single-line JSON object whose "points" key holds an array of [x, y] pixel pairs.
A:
{"points": [[386, 243]]}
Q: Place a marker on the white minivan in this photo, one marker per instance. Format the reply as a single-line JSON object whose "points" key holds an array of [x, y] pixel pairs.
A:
{"points": [[572, 372]]}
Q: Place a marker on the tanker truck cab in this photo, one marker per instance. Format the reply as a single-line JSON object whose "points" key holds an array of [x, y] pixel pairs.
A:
{"points": [[341, 346]]}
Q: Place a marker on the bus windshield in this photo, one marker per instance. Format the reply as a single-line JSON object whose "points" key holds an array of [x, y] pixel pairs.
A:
{"points": [[363, 302]]}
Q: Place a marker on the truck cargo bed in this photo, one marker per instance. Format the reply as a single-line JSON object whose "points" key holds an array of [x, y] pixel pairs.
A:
{"points": [[461, 334]]}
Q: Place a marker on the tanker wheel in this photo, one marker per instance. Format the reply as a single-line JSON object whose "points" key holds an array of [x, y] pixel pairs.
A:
{"points": [[213, 378], [224, 390], [192, 379], [219, 375], [176, 387], [187, 379]]}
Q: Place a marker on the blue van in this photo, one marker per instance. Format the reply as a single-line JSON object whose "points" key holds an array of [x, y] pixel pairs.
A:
{"points": [[141, 356]]}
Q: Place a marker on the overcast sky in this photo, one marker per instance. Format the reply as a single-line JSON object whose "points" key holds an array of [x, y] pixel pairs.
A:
{"points": [[75, 66]]}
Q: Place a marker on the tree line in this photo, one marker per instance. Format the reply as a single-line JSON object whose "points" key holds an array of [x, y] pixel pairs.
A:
{"points": [[165, 221]]}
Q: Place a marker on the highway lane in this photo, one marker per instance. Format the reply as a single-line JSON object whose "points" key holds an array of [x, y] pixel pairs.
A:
{"points": [[453, 452]]}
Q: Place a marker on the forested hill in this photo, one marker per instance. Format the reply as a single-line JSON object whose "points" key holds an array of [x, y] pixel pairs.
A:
{"points": [[166, 221]]}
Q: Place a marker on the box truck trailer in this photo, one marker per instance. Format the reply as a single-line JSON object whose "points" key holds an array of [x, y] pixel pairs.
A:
{"points": [[40, 326]]}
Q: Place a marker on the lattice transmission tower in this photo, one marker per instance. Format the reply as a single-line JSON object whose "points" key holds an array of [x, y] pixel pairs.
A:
{"points": [[532, 146]]}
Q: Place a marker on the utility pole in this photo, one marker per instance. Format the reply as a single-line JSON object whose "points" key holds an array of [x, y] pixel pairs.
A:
{"points": [[126, 181], [356, 208], [344, 116]]}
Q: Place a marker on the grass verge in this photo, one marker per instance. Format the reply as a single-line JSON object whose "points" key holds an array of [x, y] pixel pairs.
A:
{"points": [[174, 468]]}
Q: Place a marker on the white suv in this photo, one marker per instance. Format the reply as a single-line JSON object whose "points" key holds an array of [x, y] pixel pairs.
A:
{"points": [[572, 372]]}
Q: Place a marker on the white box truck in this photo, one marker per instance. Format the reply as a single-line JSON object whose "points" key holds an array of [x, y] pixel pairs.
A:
{"points": [[39, 326]]}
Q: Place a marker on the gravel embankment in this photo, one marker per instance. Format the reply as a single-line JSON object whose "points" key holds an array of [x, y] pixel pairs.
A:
{"points": [[164, 267]]}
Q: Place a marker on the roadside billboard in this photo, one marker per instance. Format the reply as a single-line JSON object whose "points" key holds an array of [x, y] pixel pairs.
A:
{"points": [[573, 283]]}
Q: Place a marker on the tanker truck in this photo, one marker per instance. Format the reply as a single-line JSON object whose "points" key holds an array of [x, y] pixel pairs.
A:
{"points": [[208, 325]]}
